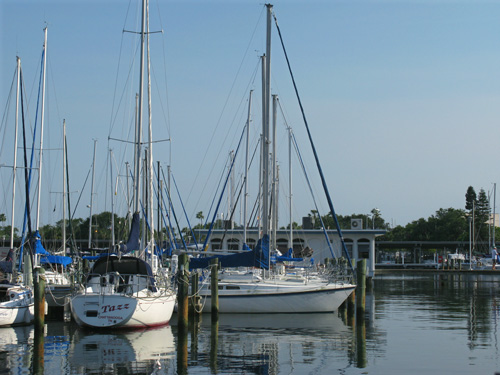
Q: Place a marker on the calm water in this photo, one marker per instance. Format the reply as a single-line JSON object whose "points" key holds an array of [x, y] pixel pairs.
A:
{"points": [[412, 325]]}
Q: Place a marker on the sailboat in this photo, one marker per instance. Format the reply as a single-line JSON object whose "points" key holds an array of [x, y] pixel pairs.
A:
{"points": [[16, 298], [17, 303], [123, 290], [248, 283], [58, 281]]}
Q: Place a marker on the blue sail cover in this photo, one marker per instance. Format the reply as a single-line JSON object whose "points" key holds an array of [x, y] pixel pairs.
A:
{"points": [[288, 259], [258, 257], [39, 249], [133, 238]]}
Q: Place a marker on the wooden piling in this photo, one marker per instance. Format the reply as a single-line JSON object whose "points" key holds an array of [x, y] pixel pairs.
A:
{"points": [[194, 326], [214, 343], [360, 289], [214, 289], [182, 292], [38, 353], [182, 350], [351, 305], [39, 296], [361, 344]]}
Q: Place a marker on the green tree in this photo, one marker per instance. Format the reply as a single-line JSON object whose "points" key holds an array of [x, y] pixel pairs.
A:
{"points": [[375, 217], [447, 224], [200, 216], [470, 199], [3, 230], [478, 206], [482, 216], [50, 232]]}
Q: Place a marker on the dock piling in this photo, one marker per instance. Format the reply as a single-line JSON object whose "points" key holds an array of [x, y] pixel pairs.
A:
{"points": [[360, 289], [183, 291], [214, 288], [39, 291]]}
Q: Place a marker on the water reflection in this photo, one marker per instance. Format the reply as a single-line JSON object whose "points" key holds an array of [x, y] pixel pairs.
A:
{"points": [[431, 324], [131, 352], [15, 348], [270, 344], [449, 318]]}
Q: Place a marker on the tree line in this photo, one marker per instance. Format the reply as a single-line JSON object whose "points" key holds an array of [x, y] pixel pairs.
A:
{"points": [[447, 224]]}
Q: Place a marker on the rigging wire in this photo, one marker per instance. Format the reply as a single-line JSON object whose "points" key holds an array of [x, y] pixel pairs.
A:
{"points": [[209, 145], [325, 187], [5, 114]]}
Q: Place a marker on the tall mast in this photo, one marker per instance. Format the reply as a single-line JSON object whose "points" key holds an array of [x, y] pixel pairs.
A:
{"points": [[169, 206], [290, 243], [136, 156], [231, 187], [150, 147], [137, 162], [64, 190], [245, 199], [144, 198], [274, 211], [265, 125], [127, 175], [262, 141], [15, 153], [494, 204], [41, 129], [92, 196], [160, 205], [113, 188]]}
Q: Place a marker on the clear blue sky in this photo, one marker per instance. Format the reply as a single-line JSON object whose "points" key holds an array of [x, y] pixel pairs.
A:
{"points": [[402, 97]]}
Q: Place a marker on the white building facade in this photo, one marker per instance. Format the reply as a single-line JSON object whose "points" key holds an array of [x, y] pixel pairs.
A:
{"points": [[360, 243]]}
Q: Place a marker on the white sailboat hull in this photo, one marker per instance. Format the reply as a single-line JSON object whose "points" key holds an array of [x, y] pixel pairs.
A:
{"points": [[19, 309], [119, 299], [120, 311], [270, 298]]}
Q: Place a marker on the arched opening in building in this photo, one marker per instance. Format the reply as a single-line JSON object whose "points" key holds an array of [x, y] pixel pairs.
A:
{"points": [[233, 244], [349, 244], [216, 243], [364, 248], [282, 245]]}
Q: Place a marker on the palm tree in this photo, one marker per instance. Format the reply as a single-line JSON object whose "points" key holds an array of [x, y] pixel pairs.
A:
{"points": [[200, 216]]}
